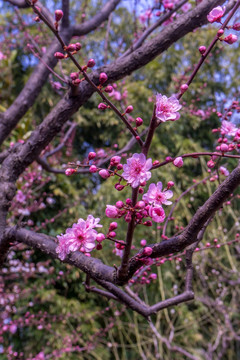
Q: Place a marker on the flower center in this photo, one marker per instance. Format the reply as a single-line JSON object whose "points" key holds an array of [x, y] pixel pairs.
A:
{"points": [[137, 169]]}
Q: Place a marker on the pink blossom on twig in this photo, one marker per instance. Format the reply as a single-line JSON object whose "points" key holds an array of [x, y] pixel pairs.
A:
{"points": [[167, 108], [136, 170], [157, 196], [216, 14], [228, 128], [80, 236]]}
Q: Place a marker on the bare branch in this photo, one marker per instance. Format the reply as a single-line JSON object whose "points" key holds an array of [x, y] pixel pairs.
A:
{"points": [[21, 4], [101, 16], [149, 30]]}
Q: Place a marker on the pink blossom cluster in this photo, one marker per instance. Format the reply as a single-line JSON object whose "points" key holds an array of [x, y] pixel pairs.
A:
{"points": [[80, 236], [149, 206]]}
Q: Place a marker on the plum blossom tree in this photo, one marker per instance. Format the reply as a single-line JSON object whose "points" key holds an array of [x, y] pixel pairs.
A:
{"points": [[148, 202]]}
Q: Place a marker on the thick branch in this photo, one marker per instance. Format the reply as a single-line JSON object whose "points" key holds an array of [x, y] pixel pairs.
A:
{"points": [[65, 9], [94, 267]]}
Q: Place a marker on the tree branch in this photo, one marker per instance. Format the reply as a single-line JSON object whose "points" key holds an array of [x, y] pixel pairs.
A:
{"points": [[101, 16]]}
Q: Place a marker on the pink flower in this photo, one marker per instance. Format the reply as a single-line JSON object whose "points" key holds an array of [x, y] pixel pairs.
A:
{"points": [[223, 171], [230, 39], [156, 196], [80, 236], [228, 128], [20, 197], [111, 211], [157, 213], [178, 162], [2, 56], [167, 108], [215, 14], [136, 170]]}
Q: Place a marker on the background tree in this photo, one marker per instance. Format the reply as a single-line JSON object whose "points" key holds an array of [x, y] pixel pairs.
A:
{"points": [[43, 124]]}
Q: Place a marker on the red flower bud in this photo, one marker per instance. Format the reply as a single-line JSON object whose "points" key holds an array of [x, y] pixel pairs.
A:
{"points": [[91, 63], [78, 46], [108, 89], [236, 26], [102, 106], [129, 109], [103, 78], [71, 47], [59, 55], [58, 15], [139, 121]]}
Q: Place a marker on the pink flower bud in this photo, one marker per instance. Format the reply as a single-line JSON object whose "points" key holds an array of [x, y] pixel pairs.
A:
{"points": [[76, 82], [236, 26], [143, 242], [113, 226], [91, 155], [112, 234], [59, 55], [224, 147], [111, 211], [230, 39], [170, 184], [58, 15], [183, 88], [128, 201], [91, 63], [148, 223], [210, 164], [102, 106], [140, 205], [78, 46], [99, 247], [119, 187], [108, 89], [156, 162], [93, 169], [71, 47], [202, 49], [119, 204], [70, 171], [153, 276], [128, 217], [104, 173], [100, 237], [115, 160], [178, 162], [147, 251], [129, 109], [220, 32], [103, 78], [74, 76], [119, 166], [139, 121]]}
